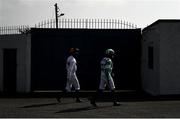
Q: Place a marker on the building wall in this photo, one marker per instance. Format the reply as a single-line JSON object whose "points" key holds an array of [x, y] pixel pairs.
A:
{"points": [[23, 45], [170, 57], [150, 76]]}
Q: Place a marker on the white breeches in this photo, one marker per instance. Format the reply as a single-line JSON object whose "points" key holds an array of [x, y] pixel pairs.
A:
{"points": [[104, 82], [72, 81]]}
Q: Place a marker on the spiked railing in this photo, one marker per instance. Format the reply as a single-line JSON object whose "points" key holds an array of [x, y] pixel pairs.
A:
{"points": [[86, 24], [71, 24]]}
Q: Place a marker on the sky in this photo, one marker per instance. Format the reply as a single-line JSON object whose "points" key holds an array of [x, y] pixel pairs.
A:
{"points": [[138, 12]]}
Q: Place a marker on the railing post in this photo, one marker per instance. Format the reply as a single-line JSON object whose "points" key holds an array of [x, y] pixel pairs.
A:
{"points": [[71, 24]]}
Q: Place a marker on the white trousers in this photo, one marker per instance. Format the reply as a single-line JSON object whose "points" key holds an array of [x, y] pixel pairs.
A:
{"points": [[104, 81], [72, 81]]}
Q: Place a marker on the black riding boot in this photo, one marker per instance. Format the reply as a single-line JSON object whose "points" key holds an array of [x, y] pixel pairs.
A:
{"points": [[94, 98], [58, 98], [114, 98], [77, 96]]}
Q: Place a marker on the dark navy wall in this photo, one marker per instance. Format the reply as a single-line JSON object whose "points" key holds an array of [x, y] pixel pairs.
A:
{"points": [[49, 53]]}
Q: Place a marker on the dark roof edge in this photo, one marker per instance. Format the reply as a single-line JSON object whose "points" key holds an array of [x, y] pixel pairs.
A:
{"points": [[161, 20]]}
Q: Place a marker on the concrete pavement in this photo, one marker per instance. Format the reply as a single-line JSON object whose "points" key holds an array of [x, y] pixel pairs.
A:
{"points": [[43, 107]]}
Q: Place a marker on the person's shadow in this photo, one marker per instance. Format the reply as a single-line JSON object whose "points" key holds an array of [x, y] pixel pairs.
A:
{"points": [[45, 104], [39, 105], [82, 109]]}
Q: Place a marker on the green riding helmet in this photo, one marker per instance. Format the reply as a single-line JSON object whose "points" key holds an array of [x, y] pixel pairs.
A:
{"points": [[110, 52]]}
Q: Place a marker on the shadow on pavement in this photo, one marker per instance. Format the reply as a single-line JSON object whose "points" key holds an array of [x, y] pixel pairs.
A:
{"points": [[82, 109], [39, 105], [48, 104]]}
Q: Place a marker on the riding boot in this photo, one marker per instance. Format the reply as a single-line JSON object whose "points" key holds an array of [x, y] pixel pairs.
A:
{"points": [[114, 98], [77, 96], [94, 98]]}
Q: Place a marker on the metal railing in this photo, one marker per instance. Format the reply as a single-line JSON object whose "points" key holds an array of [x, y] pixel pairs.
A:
{"points": [[71, 24], [14, 30], [87, 24]]}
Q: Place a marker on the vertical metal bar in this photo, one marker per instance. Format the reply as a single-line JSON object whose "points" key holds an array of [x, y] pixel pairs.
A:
{"points": [[68, 23], [59, 23], [132, 26], [118, 24], [109, 23], [23, 27], [104, 23], [89, 23], [50, 23], [86, 23], [65, 23], [11, 29], [101, 24], [82, 23], [44, 23], [74, 23], [115, 23], [7, 29], [121, 24], [98, 23], [71, 23], [17, 31], [124, 24], [62, 23], [77, 23], [92, 23], [127, 25], [53, 23], [2, 30], [14, 29], [41, 24]]}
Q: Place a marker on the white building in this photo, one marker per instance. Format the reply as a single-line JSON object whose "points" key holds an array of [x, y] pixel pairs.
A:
{"points": [[161, 58], [15, 63]]}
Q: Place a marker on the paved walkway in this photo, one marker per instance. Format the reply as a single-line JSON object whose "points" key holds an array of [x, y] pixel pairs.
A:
{"points": [[48, 107]]}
